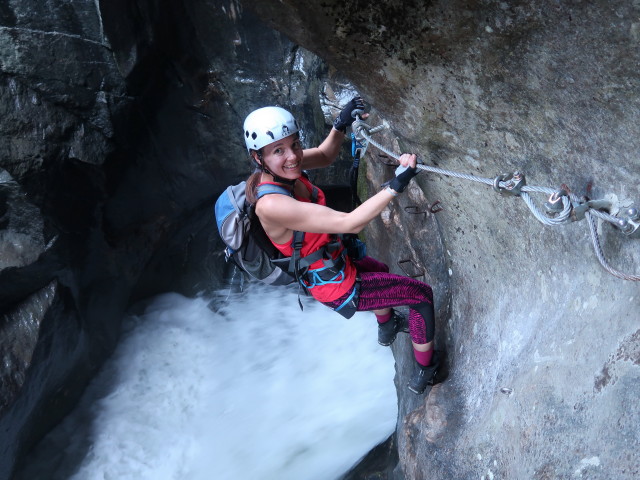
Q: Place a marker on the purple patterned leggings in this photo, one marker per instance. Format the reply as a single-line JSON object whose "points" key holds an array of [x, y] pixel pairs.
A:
{"points": [[380, 289]]}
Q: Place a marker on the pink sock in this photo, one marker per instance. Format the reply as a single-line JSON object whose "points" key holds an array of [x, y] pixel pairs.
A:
{"points": [[423, 358], [383, 318]]}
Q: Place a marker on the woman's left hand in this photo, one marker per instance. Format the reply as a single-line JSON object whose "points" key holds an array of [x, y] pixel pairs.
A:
{"points": [[346, 118], [405, 172], [408, 160]]}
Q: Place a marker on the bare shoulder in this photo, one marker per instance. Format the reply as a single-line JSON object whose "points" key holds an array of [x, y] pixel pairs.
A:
{"points": [[271, 205]]}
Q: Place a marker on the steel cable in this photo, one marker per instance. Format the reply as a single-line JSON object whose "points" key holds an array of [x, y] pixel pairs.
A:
{"points": [[569, 201]]}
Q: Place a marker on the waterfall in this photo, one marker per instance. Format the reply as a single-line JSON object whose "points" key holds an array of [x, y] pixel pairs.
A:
{"points": [[229, 388]]}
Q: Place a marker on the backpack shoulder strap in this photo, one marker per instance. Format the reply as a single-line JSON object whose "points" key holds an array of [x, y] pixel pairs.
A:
{"points": [[313, 190], [269, 188], [314, 194], [293, 264]]}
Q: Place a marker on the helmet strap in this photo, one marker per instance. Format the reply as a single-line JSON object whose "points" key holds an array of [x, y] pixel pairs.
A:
{"points": [[277, 178], [286, 181]]}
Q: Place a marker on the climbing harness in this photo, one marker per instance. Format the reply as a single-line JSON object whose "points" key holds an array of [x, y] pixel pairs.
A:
{"points": [[562, 206]]}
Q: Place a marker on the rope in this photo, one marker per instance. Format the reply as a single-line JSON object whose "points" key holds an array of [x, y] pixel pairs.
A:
{"points": [[572, 206]]}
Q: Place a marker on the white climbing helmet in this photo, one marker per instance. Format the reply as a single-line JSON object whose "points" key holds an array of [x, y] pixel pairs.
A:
{"points": [[267, 125]]}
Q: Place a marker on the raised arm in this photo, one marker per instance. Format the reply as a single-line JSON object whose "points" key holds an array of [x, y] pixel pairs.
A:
{"points": [[280, 215], [324, 154], [327, 152]]}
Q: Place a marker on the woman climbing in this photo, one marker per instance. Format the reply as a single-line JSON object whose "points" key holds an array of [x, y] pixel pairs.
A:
{"points": [[318, 257]]}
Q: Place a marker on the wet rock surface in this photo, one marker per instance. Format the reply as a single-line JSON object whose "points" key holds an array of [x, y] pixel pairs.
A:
{"points": [[120, 127]]}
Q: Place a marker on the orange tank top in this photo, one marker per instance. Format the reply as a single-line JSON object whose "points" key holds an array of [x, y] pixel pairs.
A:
{"points": [[313, 242]]}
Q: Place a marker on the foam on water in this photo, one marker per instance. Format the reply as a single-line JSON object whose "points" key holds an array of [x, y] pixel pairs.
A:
{"points": [[257, 390]]}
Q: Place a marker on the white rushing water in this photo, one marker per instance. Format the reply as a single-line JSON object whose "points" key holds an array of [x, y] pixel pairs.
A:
{"points": [[258, 390]]}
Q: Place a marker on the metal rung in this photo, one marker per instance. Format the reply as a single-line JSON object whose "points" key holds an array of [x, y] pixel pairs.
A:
{"points": [[402, 263]]}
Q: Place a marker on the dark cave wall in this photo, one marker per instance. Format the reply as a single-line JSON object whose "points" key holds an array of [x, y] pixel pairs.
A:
{"points": [[58, 91], [120, 126]]}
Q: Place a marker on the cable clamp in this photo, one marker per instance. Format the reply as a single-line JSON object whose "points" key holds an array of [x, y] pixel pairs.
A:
{"points": [[578, 211], [555, 204], [629, 221], [512, 183]]}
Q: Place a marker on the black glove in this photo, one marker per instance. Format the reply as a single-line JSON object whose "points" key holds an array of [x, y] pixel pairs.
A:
{"points": [[402, 179], [345, 119]]}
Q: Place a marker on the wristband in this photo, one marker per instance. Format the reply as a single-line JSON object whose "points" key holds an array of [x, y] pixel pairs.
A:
{"points": [[402, 178], [391, 191]]}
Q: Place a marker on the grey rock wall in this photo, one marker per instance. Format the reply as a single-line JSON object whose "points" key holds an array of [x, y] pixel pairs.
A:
{"points": [[542, 341]]}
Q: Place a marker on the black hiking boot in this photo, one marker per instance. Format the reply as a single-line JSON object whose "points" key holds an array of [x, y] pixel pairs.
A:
{"points": [[425, 376], [387, 331]]}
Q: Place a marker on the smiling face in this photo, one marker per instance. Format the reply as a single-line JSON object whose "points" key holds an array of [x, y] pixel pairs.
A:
{"points": [[284, 157]]}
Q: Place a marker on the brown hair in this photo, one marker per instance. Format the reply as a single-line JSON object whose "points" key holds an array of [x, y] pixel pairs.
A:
{"points": [[251, 188]]}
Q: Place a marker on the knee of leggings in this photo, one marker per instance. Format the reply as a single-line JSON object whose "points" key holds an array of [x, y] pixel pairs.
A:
{"points": [[426, 292], [427, 314]]}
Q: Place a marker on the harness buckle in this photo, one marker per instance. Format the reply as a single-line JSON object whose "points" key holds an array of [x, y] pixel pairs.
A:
{"points": [[297, 241], [331, 272]]}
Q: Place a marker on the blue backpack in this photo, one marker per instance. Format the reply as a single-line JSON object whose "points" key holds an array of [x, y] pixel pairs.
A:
{"points": [[247, 244]]}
